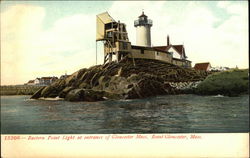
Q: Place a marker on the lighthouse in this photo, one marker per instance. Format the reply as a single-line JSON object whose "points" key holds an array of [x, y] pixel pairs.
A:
{"points": [[143, 25]]}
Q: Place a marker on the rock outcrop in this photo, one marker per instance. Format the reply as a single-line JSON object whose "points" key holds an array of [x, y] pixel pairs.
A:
{"points": [[127, 79]]}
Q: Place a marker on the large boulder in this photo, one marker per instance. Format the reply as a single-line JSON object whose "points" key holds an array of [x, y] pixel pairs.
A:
{"points": [[75, 95], [85, 95], [53, 90], [37, 94], [92, 95], [65, 91]]}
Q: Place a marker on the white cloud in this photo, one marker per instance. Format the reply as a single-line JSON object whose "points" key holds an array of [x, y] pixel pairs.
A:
{"points": [[231, 7], [15, 24], [223, 4], [193, 25], [29, 51]]}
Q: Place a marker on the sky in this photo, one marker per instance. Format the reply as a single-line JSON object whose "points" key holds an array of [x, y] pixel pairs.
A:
{"points": [[51, 38]]}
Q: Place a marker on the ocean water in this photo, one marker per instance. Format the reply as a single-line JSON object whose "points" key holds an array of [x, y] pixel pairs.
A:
{"points": [[160, 114]]}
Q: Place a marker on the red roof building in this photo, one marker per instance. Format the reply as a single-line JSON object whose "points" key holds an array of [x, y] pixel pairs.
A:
{"points": [[30, 82], [178, 49], [202, 66]]}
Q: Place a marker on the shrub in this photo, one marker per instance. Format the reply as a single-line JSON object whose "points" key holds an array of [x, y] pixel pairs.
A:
{"points": [[229, 83]]}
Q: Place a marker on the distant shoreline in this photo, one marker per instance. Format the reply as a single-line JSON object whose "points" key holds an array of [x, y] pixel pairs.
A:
{"points": [[19, 90]]}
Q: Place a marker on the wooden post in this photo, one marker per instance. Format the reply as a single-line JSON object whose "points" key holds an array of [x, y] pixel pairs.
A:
{"points": [[96, 53]]}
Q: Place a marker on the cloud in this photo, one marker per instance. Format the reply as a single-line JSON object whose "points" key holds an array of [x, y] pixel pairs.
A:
{"points": [[238, 8], [232, 35], [127, 12], [193, 24], [223, 4], [15, 24], [28, 51]]}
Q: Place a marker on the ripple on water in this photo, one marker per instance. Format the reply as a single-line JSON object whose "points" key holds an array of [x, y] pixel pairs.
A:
{"points": [[161, 114]]}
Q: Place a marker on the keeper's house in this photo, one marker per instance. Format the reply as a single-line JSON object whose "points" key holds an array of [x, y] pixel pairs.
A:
{"points": [[117, 44]]}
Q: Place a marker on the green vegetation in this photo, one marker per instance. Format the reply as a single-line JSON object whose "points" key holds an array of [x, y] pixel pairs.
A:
{"points": [[231, 83], [19, 90]]}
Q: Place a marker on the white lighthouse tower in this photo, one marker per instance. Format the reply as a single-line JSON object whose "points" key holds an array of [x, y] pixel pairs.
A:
{"points": [[143, 25]]}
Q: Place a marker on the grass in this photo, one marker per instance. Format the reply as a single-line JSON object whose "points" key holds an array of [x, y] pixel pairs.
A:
{"points": [[231, 83]]}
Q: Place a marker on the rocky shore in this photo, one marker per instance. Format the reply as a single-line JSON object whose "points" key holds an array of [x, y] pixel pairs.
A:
{"points": [[128, 79]]}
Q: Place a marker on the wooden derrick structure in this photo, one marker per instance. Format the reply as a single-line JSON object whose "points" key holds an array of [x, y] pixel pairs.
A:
{"points": [[115, 37]]}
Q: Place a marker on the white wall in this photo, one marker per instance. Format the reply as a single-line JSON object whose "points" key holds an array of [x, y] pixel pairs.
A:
{"points": [[37, 81], [143, 37], [175, 53]]}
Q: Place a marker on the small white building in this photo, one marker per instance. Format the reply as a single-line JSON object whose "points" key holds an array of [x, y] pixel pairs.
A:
{"points": [[44, 80], [37, 81], [219, 68], [177, 51], [47, 80]]}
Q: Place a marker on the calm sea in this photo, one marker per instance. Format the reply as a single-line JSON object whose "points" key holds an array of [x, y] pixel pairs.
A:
{"points": [[161, 114]]}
